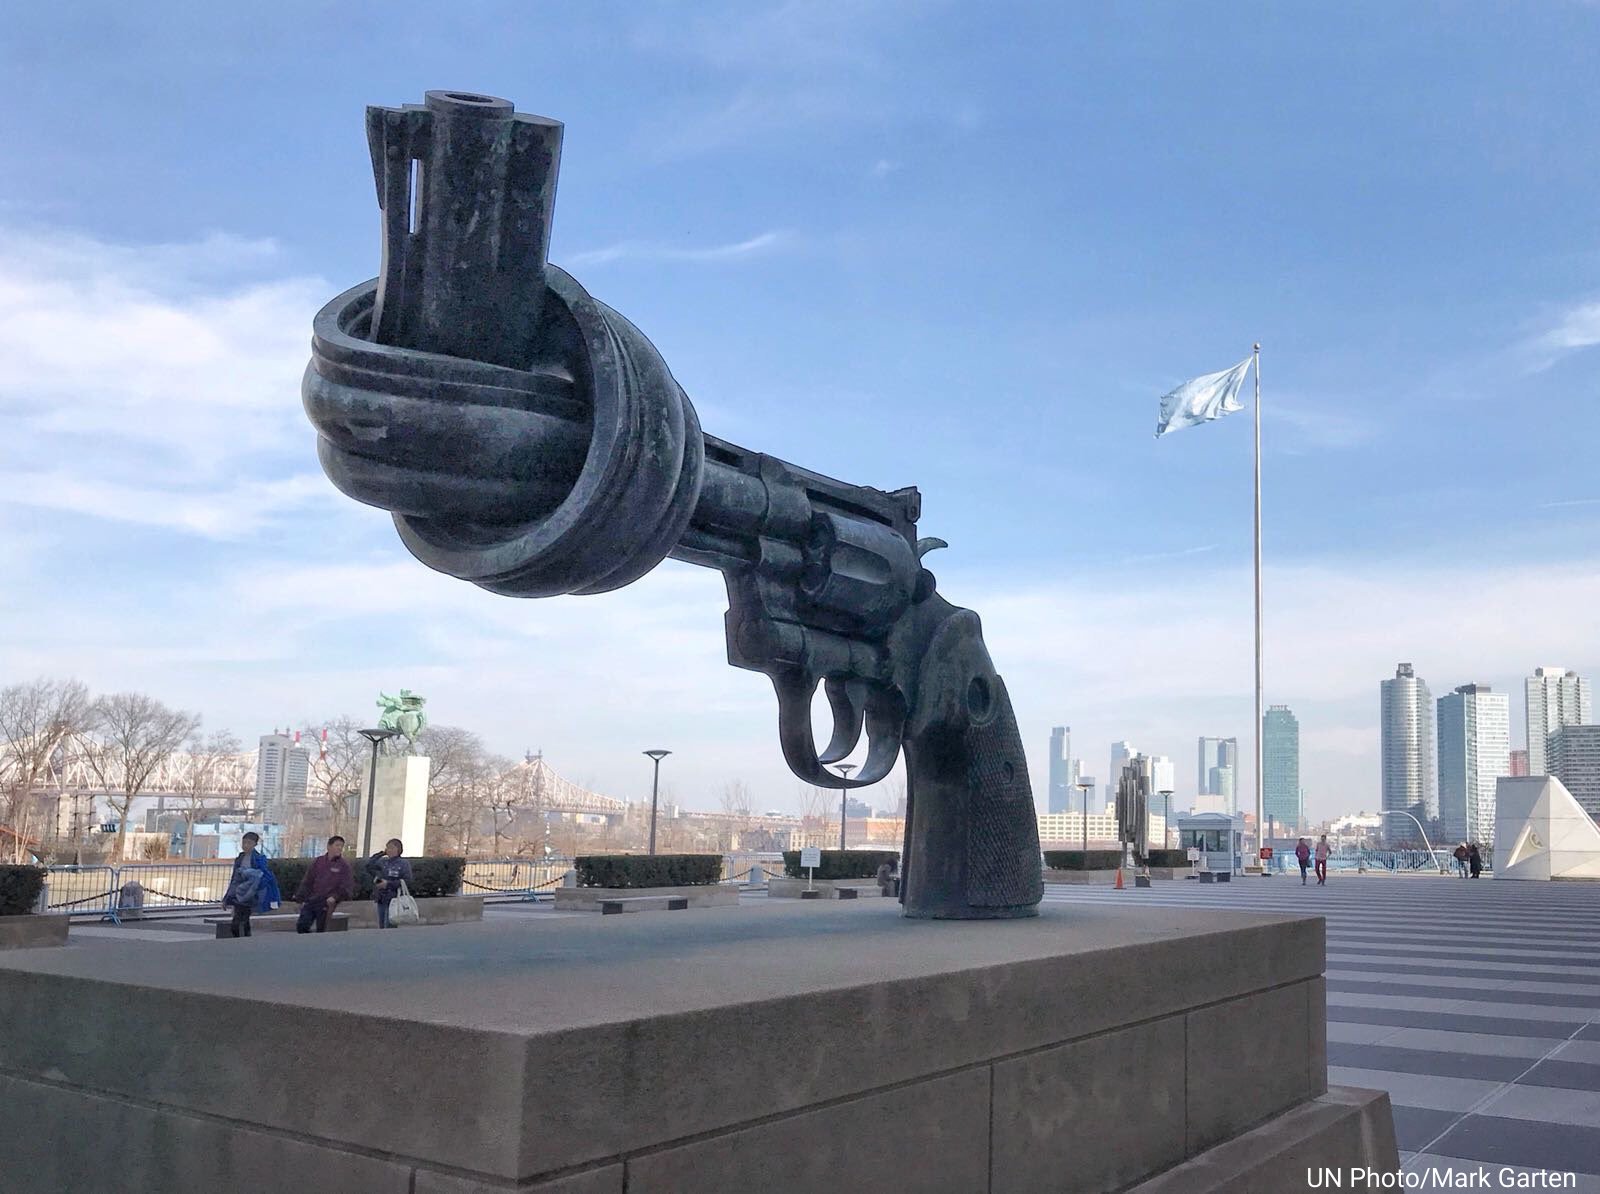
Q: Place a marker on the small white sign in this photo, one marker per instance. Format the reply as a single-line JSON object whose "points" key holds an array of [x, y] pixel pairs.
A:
{"points": [[1194, 853], [811, 856]]}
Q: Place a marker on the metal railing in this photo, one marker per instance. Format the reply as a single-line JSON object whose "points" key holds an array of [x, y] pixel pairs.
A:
{"points": [[162, 886]]}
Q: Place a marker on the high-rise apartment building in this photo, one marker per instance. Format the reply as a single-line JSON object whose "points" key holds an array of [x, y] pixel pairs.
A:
{"points": [[1218, 764], [1474, 752], [283, 769], [1556, 697], [1280, 770], [1519, 763], [1059, 799], [1575, 761], [1410, 782]]}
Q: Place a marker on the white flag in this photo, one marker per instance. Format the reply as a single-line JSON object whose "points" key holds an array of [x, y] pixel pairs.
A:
{"points": [[1202, 399]]}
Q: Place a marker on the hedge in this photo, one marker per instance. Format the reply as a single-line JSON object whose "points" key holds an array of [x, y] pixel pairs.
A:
{"points": [[1080, 860], [648, 870], [841, 864], [1167, 858], [430, 876], [19, 888]]}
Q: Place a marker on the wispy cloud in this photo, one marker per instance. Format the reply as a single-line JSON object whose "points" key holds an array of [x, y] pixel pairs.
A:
{"points": [[1576, 328], [1329, 424], [631, 250], [153, 383], [883, 167], [1568, 502], [1169, 555]]}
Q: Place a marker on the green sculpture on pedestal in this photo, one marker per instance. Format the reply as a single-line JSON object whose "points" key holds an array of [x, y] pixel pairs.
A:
{"points": [[403, 714]]}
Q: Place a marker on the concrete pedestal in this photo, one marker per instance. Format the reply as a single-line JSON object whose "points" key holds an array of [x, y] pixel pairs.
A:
{"points": [[589, 899], [32, 931], [793, 1047]]}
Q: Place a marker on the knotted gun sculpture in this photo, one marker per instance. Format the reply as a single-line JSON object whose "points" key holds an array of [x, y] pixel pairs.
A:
{"points": [[529, 439]]}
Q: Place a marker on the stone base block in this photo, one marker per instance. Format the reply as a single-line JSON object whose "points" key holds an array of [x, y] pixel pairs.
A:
{"points": [[1342, 1130], [1079, 1051], [588, 899], [31, 931], [435, 910], [786, 888], [1090, 878]]}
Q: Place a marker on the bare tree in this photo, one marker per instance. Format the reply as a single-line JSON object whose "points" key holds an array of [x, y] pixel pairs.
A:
{"points": [[210, 772], [736, 807], [129, 736], [36, 719], [337, 768]]}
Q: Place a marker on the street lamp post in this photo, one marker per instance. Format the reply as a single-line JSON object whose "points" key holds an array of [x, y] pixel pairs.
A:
{"points": [[1085, 782], [375, 736], [843, 769], [1166, 818], [655, 788], [1434, 857]]}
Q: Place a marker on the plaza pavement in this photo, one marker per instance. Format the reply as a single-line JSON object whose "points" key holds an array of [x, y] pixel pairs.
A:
{"points": [[1475, 1004]]}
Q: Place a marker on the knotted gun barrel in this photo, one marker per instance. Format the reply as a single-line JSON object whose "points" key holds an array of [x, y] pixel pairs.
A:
{"points": [[528, 438]]}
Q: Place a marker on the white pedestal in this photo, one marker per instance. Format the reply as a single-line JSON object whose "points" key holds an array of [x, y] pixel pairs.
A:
{"points": [[400, 804]]}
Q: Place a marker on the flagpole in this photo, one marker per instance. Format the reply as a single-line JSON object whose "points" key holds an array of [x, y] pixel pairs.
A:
{"points": [[1261, 821]]}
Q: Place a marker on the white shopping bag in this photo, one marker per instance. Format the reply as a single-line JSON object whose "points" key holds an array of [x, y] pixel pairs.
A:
{"points": [[405, 910]]}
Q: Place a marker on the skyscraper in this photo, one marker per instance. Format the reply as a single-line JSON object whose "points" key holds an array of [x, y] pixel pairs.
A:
{"points": [[1060, 791], [1215, 754], [283, 768], [1474, 751], [1280, 770], [1556, 698], [1575, 761], [1519, 763], [1121, 752], [1410, 784]]}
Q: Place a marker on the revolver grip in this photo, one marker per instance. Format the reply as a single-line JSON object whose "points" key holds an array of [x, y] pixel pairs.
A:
{"points": [[972, 838]]}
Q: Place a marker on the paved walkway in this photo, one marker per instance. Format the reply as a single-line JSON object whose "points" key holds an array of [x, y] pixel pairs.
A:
{"points": [[1476, 1005]]}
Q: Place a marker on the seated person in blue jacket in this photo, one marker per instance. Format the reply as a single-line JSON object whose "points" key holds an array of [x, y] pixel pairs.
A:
{"points": [[389, 870], [252, 887]]}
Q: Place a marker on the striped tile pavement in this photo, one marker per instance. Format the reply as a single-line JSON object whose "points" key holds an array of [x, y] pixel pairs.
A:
{"points": [[1475, 1004]]}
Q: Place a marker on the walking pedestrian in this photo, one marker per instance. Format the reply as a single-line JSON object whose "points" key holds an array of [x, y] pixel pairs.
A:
{"points": [[251, 887], [389, 870], [1474, 860], [328, 882], [1302, 855], [1461, 856], [1323, 851]]}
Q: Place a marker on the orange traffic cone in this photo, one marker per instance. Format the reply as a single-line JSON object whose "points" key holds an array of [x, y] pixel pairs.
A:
{"points": [[1119, 878]]}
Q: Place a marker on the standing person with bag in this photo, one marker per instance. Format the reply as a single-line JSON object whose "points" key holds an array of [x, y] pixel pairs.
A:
{"points": [[252, 886], [392, 874]]}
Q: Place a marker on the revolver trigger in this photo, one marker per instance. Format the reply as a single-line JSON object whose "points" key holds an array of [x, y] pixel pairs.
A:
{"points": [[848, 699], [795, 690], [886, 723]]}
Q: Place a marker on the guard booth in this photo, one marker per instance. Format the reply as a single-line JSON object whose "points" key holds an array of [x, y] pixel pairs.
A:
{"points": [[1219, 838]]}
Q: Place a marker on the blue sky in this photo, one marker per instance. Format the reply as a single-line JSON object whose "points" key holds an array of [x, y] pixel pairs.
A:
{"points": [[960, 246]]}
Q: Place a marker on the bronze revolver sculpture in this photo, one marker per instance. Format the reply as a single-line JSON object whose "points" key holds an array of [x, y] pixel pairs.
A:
{"points": [[528, 438]]}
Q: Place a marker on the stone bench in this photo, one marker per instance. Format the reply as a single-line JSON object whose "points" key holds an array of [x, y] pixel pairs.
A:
{"points": [[275, 922], [659, 903]]}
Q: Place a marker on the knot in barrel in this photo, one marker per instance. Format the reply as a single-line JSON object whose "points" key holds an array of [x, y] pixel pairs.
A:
{"points": [[577, 474]]}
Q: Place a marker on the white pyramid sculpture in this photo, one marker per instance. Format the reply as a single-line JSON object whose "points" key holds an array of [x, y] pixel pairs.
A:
{"points": [[1541, 832]]}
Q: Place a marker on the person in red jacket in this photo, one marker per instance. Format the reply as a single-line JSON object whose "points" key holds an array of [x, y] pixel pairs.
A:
{"points": [[329, 881], [1302, 855]]}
